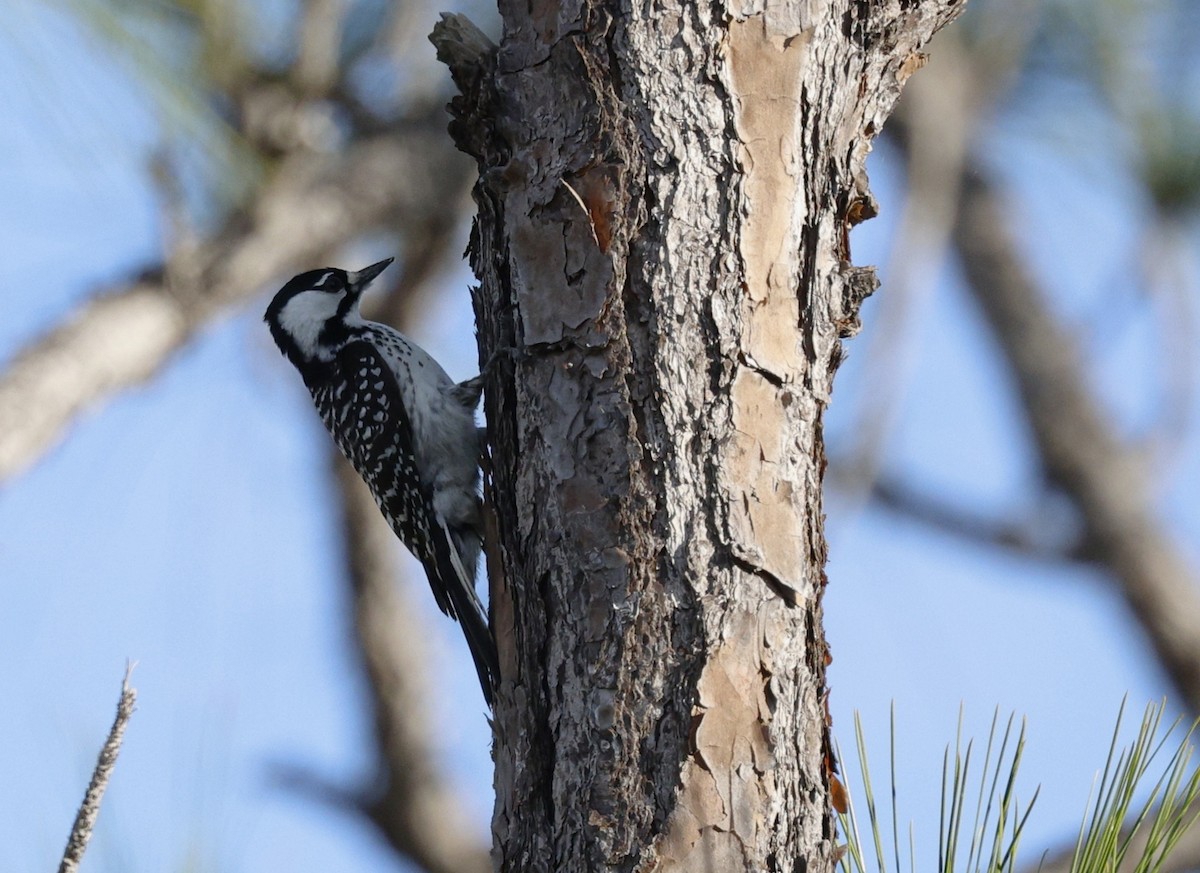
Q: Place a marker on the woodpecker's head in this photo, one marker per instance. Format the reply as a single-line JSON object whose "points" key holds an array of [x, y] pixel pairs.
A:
{"points": [[312, 315]]}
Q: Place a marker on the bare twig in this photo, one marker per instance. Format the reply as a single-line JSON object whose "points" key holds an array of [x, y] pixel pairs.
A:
{"points": [[85, 819], [392, 174]]}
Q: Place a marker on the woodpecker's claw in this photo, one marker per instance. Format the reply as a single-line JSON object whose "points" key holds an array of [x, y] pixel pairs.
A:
{"points": [[513, 354]]}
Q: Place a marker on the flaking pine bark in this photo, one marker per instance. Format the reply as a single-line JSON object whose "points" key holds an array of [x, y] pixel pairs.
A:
{"points": [[665, 195]]}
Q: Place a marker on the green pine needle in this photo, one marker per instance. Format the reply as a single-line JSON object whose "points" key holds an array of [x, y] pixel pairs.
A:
{"points": [[1116, 833]]}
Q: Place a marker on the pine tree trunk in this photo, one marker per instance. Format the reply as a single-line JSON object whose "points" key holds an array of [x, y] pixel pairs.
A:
{"points": [[664, 200]]}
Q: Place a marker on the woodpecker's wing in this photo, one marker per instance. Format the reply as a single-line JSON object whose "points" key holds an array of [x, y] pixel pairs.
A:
{"points": [[362, 407]]}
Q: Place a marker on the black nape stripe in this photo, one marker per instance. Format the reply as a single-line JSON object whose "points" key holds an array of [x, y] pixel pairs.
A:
{"points": [[346, 305], [334, 332]]}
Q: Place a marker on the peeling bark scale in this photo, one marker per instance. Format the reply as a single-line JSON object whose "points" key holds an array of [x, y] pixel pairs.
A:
{"points": [[664, 198]]}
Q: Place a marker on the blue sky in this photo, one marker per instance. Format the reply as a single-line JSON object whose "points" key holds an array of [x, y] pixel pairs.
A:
{"points": [[186, 525]]}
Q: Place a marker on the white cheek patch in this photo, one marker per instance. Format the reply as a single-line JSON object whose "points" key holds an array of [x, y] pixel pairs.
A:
{"points": [[303, 317]]}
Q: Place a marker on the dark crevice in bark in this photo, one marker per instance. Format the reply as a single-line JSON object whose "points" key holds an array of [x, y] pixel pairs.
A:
{"points": [[776, 585]]}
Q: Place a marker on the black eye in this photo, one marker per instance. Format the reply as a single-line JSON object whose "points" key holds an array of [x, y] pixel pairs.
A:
{"points": [[331, 282]]}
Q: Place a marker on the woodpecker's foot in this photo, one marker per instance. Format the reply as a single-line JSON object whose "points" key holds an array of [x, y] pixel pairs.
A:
{"points": [[512, 353], [469, 391]]}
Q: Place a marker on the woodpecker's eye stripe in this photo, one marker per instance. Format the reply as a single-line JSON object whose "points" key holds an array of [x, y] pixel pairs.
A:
{"points": [[333, 286]]}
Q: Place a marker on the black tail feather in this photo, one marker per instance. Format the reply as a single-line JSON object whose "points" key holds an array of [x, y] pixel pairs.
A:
{"points": [[458, 584], [483, 651]]}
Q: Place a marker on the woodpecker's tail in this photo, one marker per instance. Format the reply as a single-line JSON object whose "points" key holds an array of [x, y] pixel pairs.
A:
{"points": [[483, 650], [458, 583]]}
